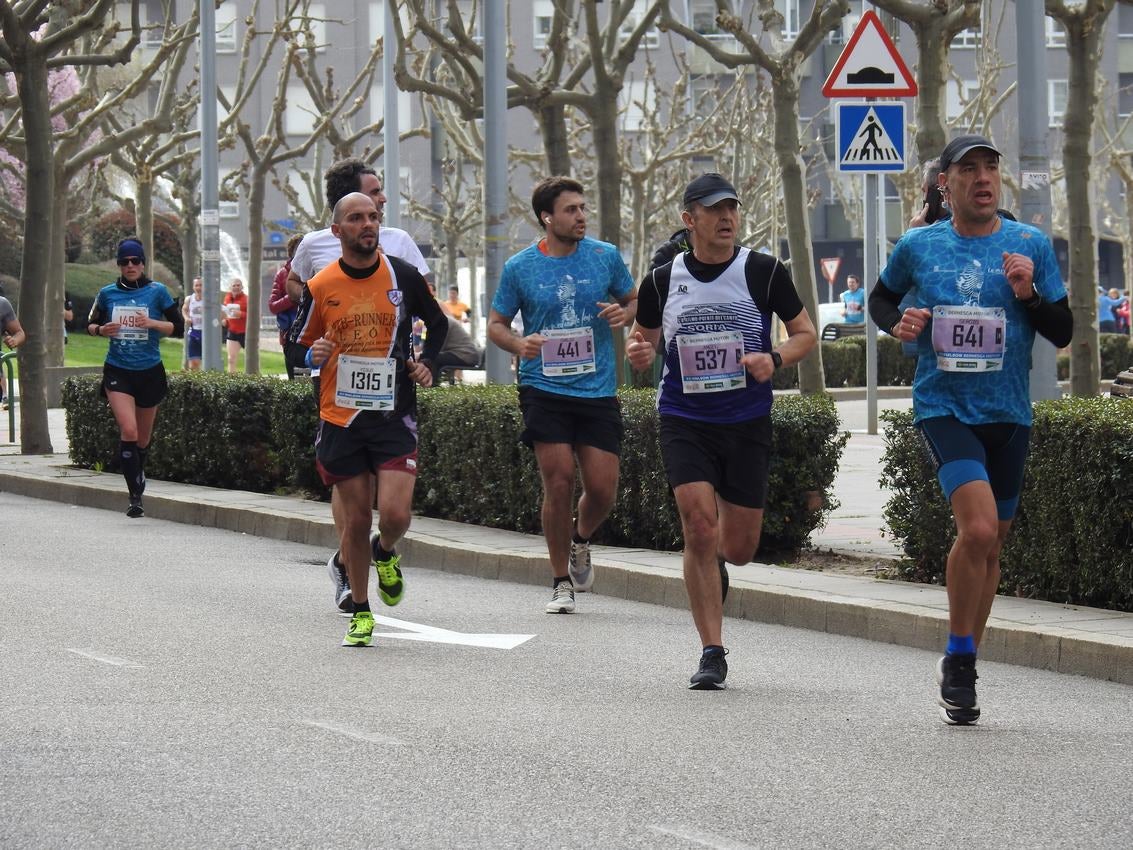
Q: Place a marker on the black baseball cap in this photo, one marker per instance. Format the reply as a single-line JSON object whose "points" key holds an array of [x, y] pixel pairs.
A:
{"points": [[955, 149], [709, 189]]}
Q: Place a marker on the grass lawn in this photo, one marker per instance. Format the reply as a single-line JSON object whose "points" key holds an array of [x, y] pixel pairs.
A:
{"points": [[84, 350]]}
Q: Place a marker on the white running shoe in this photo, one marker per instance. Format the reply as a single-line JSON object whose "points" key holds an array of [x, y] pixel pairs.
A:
{"points": [[341, 584], [580, 569], [562, 599]]}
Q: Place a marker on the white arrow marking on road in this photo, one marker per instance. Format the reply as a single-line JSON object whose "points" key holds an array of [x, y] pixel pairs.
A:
{"points": [[368, 737], [415, 631], [105, 659]]}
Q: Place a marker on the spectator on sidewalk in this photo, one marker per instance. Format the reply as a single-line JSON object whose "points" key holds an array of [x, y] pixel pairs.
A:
{"points": [[13, 336], [280, 302], [1108, 303], [853, 301], [455, 307], [234, 318], [459, 350]]}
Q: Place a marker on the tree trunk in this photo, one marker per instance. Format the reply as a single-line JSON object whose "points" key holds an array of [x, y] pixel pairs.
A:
{"points": [[552, 123], [603, 124], [56, 271], [253, 285], [932, 69], [143, 212], [31, 82], [784, 99], [1083, 49]]}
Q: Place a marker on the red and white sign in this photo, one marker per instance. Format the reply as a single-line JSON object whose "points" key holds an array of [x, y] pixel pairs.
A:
{"points": [[869, 65], [830, 266]]}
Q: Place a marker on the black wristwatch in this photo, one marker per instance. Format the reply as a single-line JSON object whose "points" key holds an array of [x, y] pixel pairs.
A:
{"points": [[776, 359]]}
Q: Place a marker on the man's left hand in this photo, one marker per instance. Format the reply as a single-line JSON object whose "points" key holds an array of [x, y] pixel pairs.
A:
{"points": [[1020, 274], [419, 372], [759, 365], [613, 313]]}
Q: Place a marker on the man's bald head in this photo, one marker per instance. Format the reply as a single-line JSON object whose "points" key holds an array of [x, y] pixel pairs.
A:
{"points": [[348, 203]]}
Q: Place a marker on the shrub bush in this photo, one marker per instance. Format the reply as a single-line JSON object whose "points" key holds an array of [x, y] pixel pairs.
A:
{"points": [[843, 365], [116, 225], [1072, 539], [1115, 352], [256, 434]]}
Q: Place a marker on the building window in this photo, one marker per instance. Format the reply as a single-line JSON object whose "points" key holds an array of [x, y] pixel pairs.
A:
{"points": [[792, 19], [1055, 34], [299, 114], [969, 38], [542, 16], [652, 38], [1058, 92], [703, 14], [1124, 94], [637, 100], [959, 94], [226, 27], [378, 107]]}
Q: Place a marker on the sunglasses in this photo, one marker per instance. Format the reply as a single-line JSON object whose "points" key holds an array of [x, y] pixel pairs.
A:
{"points": [[131, 261]]}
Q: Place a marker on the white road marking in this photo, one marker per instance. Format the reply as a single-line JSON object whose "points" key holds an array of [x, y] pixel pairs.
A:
{"points": [[432, 634], [368, 737], [704, 839], [105, 659]]}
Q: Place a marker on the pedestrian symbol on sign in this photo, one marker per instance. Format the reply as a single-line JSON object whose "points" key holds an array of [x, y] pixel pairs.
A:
{"points": [[871, 143], [871, 136]]}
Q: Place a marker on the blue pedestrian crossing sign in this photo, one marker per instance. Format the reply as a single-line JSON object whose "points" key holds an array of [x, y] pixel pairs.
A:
{"points": [[870, 136]]}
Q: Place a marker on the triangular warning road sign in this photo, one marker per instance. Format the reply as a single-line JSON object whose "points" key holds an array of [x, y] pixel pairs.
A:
{"points": [[830, 266], [869, 65]]}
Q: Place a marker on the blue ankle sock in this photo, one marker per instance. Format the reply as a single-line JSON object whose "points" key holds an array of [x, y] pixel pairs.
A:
{"points": [[960, 645]]}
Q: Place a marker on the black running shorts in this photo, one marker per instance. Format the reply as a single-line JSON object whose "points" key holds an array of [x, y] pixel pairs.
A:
{"points": [[371, 443], [733, 457], [147, 386], [552, 418]]}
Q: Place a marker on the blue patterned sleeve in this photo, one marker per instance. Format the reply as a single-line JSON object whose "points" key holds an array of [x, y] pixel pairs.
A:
{"points": [[621, 282], [506, 300], [897, 274], [1048, 277]]}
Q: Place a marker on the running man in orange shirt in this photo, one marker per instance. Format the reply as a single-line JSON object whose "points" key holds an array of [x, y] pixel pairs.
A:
{"points": [[357, 327]]}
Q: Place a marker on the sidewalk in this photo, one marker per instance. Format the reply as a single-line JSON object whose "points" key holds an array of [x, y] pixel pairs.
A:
{"points": [[1069, 639]]}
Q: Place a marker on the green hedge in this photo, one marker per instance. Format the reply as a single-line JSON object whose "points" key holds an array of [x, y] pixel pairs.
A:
{"points": [[1115, 351], [248, 433], [1072, 539], [843, 365]]}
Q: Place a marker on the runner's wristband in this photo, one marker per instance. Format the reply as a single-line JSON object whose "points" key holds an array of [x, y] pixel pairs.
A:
{"points": [[776, 359], [309, 360]]}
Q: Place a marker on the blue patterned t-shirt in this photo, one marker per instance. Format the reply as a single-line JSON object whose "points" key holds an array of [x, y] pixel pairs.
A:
{"points": [[127, 353], [563, 292], [948, 269]]}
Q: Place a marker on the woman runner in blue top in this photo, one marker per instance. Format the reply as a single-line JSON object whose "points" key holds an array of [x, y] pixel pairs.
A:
{"points": [[135, 313]]}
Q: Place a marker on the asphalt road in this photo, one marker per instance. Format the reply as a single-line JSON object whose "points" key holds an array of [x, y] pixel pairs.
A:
{"points": [[164, 685]]}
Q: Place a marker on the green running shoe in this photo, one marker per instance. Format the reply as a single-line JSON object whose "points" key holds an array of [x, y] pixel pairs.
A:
{"points": [[391, 586], [361, 630]]}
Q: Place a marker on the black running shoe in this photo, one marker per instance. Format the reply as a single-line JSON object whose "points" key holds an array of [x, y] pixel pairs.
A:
{"points": [[135, 509], [956, 675], [712, 673], [723, 579]]}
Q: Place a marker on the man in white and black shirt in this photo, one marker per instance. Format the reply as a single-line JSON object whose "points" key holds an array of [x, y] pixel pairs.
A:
{"points": [[712, 306]]}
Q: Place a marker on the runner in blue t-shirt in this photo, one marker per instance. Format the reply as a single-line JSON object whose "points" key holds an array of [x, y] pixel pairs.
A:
{"points": [[574, 293], [983, 286], [135, 313]]}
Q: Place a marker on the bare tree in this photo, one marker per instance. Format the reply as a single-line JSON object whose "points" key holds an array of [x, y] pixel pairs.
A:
{"points": [[267, 148], [38, 37], [1084, 23], [783, 63]]}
